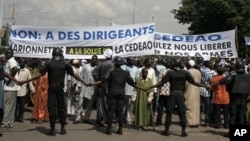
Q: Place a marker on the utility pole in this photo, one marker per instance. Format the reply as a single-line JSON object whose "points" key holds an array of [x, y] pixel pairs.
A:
{"points": [[1, 13], [133, 20], [110, 22], [1, 19], [13, 14], [12, 21]]}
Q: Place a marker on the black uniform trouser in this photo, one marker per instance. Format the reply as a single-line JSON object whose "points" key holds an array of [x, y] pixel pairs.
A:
{"points": [[56, 104], [176, 97], [116, 103], [237, 110]]}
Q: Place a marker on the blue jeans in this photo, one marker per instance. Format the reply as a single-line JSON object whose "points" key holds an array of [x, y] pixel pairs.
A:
{"points": [[207, 108]]}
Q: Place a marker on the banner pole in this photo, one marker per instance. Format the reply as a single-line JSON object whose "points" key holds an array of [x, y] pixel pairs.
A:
{"points": [[236, 40]]}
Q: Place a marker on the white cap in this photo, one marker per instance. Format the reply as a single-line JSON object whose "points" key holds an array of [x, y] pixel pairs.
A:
{"points": [[108, 53], [191, 63], [2, 55], [76, 61]]}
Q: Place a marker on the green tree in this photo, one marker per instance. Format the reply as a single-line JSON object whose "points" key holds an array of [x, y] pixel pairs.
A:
{"points": [[4, 40], [207, 16]]}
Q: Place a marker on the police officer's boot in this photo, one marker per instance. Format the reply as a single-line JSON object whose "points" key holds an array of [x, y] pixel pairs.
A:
{"points": [[52, 131], [63, 131], [119, 131], [166, 132], [109, 130], [183, 131]]}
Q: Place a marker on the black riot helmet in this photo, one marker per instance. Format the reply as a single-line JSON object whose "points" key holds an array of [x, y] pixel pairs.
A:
{"points": [[57, 53], [118, 61], [240, 66], [177, 64]]}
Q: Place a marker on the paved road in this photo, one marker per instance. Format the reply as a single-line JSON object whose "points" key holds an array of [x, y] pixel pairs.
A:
{"points": [[27, 131]]}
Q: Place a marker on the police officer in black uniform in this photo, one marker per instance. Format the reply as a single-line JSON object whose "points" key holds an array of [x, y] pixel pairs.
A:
{"points": [[116, 93], [238, 88], [177, 79], [56, 69]]}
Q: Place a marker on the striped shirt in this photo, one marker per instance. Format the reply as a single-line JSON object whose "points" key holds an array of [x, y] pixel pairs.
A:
{"points": [[206, 76]]}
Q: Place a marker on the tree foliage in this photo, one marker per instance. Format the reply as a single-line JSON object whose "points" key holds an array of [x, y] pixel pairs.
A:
{"points": [[4, 40], [207, 16]]}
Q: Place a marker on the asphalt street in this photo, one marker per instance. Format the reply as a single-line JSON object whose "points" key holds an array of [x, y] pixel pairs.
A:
{"points": [[28, 131]]}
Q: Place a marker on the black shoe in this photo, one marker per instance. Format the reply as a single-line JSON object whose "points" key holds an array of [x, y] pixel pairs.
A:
{"points": [[39, 122], [108, 132], [51, 132], [216, 126], [150, 124], [63, 131], [227, 135], [33, 121], [165, 133], [119, 131], [226, 126], [184, 134], [158, 123], [20, 120], [1, 134], [194, 126], [142, 128], [87, 122], [100, 125], [129, 126], [76, 122]]}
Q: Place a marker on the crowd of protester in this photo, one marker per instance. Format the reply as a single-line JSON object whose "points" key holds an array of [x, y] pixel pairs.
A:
{"points": [[205, 91]]}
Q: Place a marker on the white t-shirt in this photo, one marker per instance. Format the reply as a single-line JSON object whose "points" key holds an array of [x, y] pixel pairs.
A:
{"points": [[11, 63]]}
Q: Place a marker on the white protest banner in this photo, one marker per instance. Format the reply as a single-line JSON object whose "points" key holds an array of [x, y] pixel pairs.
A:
{"points": [[134, 46], [79, 43], [211, 44]]}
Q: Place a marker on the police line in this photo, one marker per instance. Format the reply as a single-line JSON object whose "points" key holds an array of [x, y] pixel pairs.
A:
{"points": [[125, 40]]}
